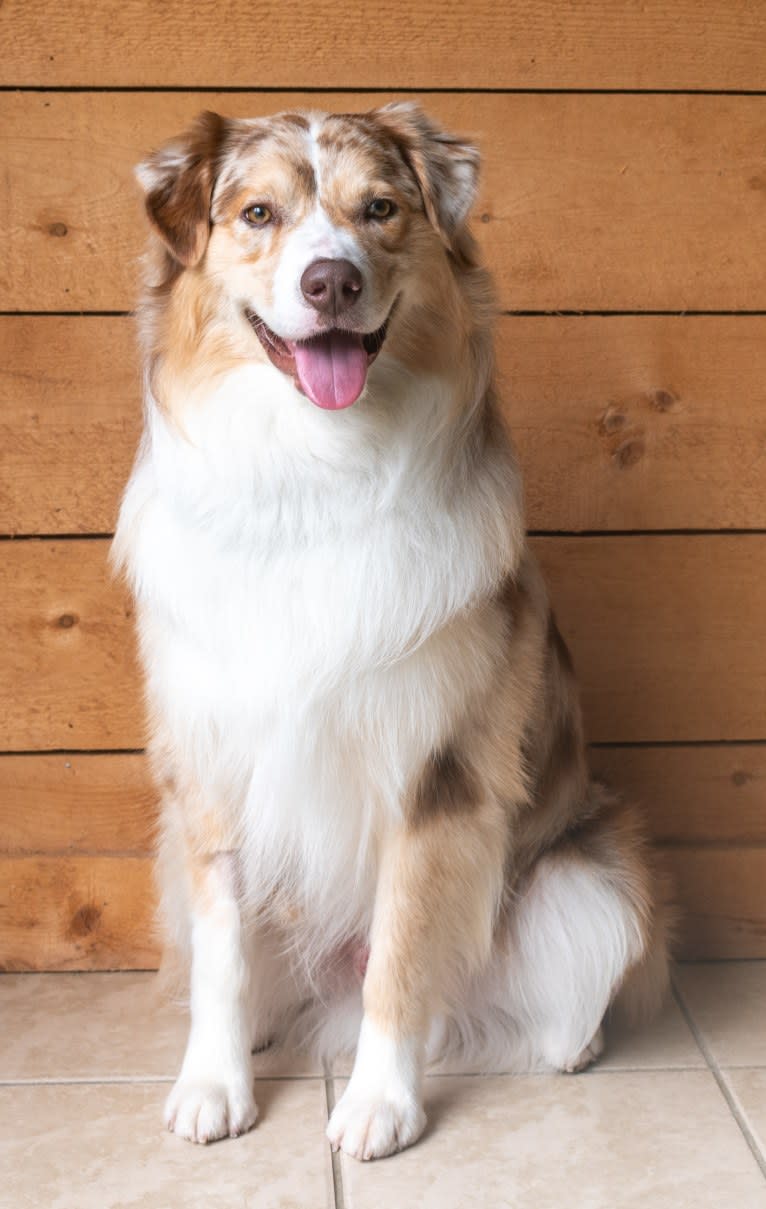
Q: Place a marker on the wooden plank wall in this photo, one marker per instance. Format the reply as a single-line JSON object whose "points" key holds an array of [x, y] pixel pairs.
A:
{"points": [[623, 210]]}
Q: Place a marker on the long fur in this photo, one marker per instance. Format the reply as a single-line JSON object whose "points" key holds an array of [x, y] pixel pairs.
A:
{"points": [[355, 685]]}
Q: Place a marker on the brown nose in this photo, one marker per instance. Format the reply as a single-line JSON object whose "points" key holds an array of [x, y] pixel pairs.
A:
{"points": [[331, 286]]}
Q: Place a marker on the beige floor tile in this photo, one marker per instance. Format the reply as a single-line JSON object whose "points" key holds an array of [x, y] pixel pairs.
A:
{"points": [[631, 1140], [64, 1026], [666, 1042], [97, 1146], [748, 1088], [727, 1001], [86, 1026]]}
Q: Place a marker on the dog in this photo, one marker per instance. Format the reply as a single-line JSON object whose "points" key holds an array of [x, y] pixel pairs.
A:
{"points": [[378, 832]]}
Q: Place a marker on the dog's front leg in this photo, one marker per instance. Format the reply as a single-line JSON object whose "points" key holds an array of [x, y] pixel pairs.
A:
{"points": [[439, 887], [213, 1097]]}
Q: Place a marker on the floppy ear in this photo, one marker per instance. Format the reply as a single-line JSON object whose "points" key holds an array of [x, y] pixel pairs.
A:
{"points": [[446, 167], [178, 185]]}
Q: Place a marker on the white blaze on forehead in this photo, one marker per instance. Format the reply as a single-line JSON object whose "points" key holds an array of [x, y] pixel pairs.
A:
{"points": [[312, 140], [317, 237]]}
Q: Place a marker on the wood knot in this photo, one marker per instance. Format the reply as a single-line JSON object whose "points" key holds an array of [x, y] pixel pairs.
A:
{"points": [[630, 452], [85, 921], [664, 400], [58, 229], [67, 620], [612, 420], [486, 217], [740, 777]]}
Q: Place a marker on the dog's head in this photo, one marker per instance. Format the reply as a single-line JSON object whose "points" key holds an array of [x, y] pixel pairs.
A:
{"points": [[315, 227]]}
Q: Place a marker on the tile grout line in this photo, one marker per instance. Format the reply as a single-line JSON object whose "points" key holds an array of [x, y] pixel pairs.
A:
{"points": [[87, 1080], [718, 1075], [117, 1080], [121, 1080], [335, 1158], [602, 1072]]}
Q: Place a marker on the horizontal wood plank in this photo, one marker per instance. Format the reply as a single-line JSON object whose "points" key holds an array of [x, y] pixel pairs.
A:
{"points": [[96, 912], [666, 632], [722, 906], [589, 202], [649, 422], [691, 795], [77, 913], [588, 44], [67, 668], [70, 417], [73, 802]]}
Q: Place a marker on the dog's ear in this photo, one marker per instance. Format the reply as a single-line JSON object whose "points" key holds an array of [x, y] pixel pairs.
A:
{"points": [[446, 167], [178, 183]]}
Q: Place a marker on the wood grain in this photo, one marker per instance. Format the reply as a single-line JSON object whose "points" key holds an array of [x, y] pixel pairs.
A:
{"points": [[70, 417], [666, 631], [74, 802], [103, 802], [649, 422], [589, 202], [588, 44], [720, 892], [76, 913], [66, 665], [702, 796]]}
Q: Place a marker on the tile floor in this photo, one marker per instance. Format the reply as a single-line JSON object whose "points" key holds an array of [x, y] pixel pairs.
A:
{"points": [[670, 1118]]}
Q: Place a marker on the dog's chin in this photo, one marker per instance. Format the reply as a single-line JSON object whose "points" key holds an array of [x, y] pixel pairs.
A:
{"points": [[329, 368]]}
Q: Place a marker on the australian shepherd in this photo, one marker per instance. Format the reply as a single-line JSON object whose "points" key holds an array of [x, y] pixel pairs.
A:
{"points": [[378, 833]]}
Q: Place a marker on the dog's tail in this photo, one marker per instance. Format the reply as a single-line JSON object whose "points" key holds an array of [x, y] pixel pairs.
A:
{"points": [[614, 838]]}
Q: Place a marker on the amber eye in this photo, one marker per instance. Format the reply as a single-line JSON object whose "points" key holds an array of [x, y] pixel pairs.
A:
{"points": [[257, 216], [380, 207]]}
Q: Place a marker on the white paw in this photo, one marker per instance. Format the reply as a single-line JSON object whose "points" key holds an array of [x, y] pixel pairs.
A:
{"points": [[370, 1127], [203, 1111], [593, 1050]]}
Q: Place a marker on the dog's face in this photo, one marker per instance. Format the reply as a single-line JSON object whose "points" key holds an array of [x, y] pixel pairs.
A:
{"points": [[315, 226]]}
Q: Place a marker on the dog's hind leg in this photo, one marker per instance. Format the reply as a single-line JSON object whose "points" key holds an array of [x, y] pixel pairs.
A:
{"points": [[584, 921]]}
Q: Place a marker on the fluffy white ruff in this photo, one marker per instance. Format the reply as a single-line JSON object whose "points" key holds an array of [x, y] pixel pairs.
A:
{"points": [[302, 653]]}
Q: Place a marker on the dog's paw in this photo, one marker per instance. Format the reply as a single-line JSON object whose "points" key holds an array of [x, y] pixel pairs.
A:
{"points": [[204, 1111], [371, 1127], [593, 1050]]}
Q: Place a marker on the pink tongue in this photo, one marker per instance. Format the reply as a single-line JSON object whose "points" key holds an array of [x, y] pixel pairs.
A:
{"points": [[332, 369]]}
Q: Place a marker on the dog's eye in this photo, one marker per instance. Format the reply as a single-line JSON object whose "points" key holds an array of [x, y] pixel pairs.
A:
{"points": [[257, 216], [380, 207]]}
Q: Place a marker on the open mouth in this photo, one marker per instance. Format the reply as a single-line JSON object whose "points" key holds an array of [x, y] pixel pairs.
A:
{"points": [[331, 368]]}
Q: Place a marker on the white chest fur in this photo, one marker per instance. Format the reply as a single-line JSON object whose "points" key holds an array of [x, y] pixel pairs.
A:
{"points": [[304, 584]]}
